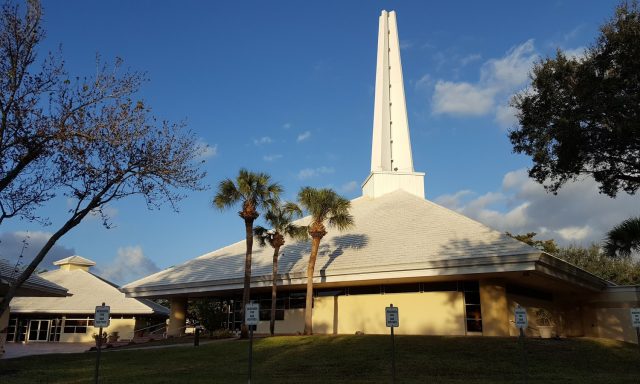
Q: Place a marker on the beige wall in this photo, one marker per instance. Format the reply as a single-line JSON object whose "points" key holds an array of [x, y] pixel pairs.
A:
{"points": [[293, 323], [495, 314], [428, 313], [124, 327], [531, 305], [607, 314]]}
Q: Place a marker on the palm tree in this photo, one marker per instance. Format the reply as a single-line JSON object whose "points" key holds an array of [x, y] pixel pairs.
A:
{"points": [[254, 191], [623, 239], [280, 217], [323, 205]]}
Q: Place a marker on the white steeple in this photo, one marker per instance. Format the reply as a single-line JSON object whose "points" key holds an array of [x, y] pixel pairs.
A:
{"points": [[391, 159]]}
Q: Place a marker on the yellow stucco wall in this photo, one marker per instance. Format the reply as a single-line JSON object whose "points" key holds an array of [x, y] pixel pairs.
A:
{"points": [[531, 305], [124, 327], [428, 313], [293, 323], [607, 314], [495, 314]]}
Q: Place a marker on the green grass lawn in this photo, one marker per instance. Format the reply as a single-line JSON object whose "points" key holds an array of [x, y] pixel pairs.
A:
{"points": [[345, 359]]}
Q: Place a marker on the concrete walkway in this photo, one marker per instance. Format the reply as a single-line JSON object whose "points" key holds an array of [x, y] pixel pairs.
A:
{"points": [[13, 350]]}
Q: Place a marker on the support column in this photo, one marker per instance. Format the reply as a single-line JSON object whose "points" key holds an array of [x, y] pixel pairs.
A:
{"points": [[495, 312], [4, 324], [178, 316]]}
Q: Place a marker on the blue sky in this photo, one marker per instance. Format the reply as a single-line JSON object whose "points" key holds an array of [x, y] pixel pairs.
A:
{"points": [[286, 87]]}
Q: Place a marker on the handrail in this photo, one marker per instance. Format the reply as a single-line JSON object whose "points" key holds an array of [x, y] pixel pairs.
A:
{"points": [[151, 326]]}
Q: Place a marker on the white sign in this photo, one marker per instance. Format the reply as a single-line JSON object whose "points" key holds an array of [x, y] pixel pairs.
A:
{"points": [[101, 318], [635, 317], [393, 320], [521, 318], [252, 314]]}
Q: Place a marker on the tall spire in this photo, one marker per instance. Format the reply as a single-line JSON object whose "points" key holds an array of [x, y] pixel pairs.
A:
{"points": [[391, 158]]}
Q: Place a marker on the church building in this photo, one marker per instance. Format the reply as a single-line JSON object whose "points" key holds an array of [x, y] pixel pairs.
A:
{"points": [[447, 274]]}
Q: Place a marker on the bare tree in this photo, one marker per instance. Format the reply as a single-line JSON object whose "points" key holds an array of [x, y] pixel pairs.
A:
{"points": [[86, 139], [40, 105]]}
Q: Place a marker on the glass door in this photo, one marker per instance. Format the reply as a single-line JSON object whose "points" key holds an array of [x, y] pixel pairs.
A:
{"points": [[39, 330]]}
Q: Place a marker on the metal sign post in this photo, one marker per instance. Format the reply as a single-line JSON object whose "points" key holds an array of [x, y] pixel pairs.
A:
{"points": [[522, 323], [393, 320], [100, 320], [635, 322], [251, 318]]}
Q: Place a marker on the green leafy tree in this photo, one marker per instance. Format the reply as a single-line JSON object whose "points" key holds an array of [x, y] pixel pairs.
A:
{"points": [[280, 217], [252, 191], [623, 239], [548, 246], [208, 312], [622, 271], [324, 206], [581, 116]]}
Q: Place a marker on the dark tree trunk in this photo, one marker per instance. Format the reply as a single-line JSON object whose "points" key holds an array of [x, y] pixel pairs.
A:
{"points": [[274, 288], [246, 293], [308, 309]]}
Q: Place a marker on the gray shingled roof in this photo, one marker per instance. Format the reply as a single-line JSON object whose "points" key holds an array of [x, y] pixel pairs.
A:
{"points": [[395, 232], [34, 286], [88, 291]]}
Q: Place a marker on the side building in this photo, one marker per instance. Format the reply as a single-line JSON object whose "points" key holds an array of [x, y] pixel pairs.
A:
{"points": [[447, 274], [70, 319], [33, 286]]}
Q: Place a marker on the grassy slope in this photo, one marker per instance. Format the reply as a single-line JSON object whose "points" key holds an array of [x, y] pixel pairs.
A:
{"points": [[345, 359]]}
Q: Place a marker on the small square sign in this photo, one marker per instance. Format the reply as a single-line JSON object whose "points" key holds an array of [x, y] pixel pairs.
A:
{"points": [[393, 320], [101, 317], [521, 318], [252, 314], [635, 317]]}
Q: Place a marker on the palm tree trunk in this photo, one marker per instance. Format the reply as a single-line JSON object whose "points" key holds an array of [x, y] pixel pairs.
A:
{"points": [[274, 274], [246, 294], [308, 309]]}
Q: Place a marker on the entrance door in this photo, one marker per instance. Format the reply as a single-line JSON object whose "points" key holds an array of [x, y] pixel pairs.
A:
{"points": [[39, 330]]}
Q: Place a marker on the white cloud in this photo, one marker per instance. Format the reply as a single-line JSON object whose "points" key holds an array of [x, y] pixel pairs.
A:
{"points": [[461, 99], [130, 264], [303, 136], [13, 244], [510, 71], [499, 78], [470, 58], [425, 82], [263, 140], [577, 214], [349, 187], [205, 150], [309, 173], [506, 116], [576, 53], [286, 125], [406, 44], [271, 157]]}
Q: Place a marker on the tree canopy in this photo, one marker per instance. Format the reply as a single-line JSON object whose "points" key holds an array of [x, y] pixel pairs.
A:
{"points": [[581, 115]]}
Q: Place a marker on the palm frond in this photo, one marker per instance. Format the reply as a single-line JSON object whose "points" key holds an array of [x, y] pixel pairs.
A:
{"points": [[261, 234], [326, 205], [623, 239], [227, 194]]}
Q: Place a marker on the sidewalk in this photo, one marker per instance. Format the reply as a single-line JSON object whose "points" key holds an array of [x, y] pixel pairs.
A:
{"points": [[13, 350]]}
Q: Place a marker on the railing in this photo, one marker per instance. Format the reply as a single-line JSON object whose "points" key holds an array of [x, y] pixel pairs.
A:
{"points": [[153, 329]]}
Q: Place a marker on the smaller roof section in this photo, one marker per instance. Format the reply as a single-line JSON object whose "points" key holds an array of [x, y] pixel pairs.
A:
{"points": [[75, 260], [34, 286]]}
